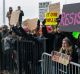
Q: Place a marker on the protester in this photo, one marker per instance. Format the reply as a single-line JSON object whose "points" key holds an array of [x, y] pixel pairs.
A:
{"points": [[21, 42], [4, 31], [58, 37], [68, 49], [38, 25], [8, 44], [49, 37], [9, 14], [14, 50], [20, 15], [78, 48], [7, 53]]}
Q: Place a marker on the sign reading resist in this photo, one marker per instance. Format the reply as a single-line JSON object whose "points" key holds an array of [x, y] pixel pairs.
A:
{"points": [[70, 19]]}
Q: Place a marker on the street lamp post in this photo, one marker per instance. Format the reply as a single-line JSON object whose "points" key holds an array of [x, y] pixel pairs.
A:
{"points": [[4, 12]]}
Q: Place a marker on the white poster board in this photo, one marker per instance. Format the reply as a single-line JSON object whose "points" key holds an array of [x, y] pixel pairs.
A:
{"points": [[31, 23], [55, 8], [61, 58], [14, 18]]}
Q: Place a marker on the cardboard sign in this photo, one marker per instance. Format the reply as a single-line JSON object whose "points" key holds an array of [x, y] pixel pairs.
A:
{"points": [[14, 18], [31, 23], [55, 8], [60, 58], [70, 19], [51, 18]]}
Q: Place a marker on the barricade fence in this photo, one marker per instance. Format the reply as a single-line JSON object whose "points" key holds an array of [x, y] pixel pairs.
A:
{"points": [[24, 56], [51, 67], [29, 54], [25, 59]]}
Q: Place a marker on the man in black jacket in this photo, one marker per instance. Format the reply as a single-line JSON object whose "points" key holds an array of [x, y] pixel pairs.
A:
{"points": [[20, 15]]}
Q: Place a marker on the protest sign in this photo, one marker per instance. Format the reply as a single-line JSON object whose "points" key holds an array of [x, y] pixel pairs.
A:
{"points": [[51, 18], [52, 14], [14, 18], [60, 58], [55, 7], [43, 8], [70, 19], [31, 23]]}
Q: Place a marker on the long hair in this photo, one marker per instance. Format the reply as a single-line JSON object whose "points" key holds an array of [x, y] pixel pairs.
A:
{"points": [[68, 51]]}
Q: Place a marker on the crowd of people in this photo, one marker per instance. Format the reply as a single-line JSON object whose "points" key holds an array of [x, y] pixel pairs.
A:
{"points": [[21, 14], [60, 41]]}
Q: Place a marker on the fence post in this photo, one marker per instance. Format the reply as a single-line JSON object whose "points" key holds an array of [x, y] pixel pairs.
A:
{"points": [[18, 57]]}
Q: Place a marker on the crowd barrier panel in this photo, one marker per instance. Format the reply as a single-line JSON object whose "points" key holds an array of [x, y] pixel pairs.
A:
{"points": [[27, 57], [51, 67]]}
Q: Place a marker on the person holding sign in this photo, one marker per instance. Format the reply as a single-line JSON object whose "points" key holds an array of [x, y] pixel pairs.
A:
{"points": [[68, 49], [9, 14], [66, 46], [20, 16]]}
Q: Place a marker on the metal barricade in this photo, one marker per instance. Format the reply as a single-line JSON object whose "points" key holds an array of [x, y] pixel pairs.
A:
{"points": [[8, 63], [27, 56], [52, 67]]}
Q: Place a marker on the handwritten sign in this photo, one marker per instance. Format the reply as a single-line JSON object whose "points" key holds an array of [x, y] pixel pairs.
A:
{"points": [[60, 58], [70, 19], [51, 18], [14, 18], [31, 23], [55, 7]]}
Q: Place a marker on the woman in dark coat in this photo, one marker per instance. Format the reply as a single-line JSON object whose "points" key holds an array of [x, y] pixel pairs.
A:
{"points": [[68, 49]]}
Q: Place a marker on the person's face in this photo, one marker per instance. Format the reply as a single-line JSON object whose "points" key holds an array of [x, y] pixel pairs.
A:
{"points": [[13, 34], [10, 9], [40, 33], [19, 8], [65, 44], [58, 30], [3, 29]]}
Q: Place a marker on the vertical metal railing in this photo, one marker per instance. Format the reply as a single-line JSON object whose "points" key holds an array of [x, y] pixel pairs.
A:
{"points": [[51, 67], [25, 56], [28, 56]]}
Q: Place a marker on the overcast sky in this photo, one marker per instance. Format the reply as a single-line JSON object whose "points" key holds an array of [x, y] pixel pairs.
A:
{"points": [[30, 7]]}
